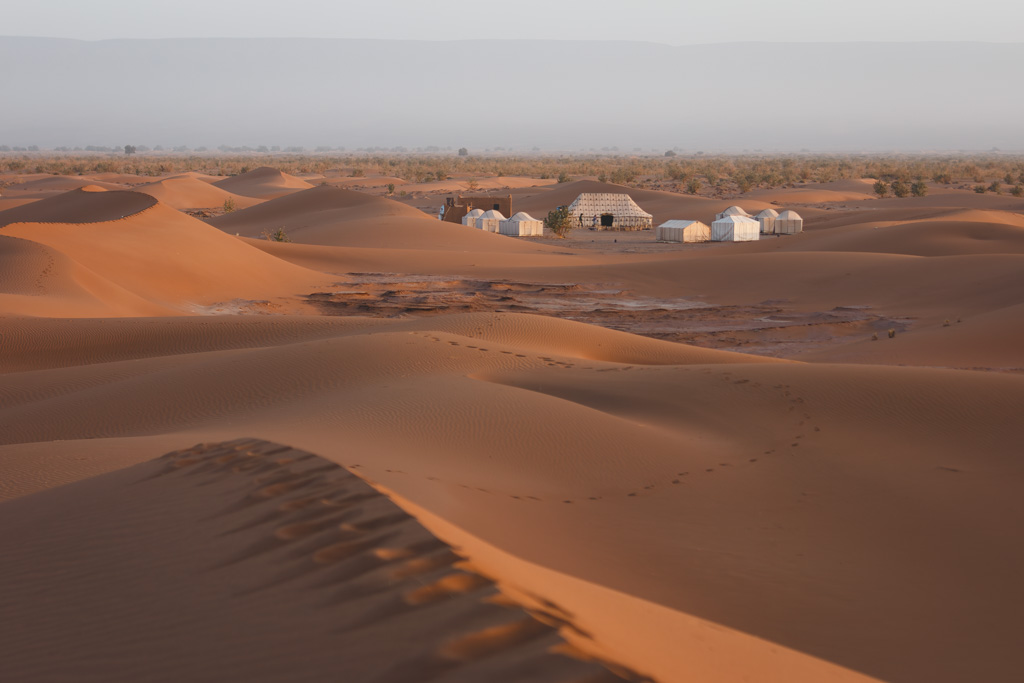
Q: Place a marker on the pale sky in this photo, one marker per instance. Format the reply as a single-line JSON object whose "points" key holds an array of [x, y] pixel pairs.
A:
{"points": [[674, 22]]}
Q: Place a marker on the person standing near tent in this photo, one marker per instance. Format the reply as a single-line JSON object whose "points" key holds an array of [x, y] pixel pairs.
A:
{"points": [[581, 221], [440, 213], [595, 221]]}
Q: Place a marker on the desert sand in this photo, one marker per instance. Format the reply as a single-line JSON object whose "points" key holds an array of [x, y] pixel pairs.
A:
{"points": [[395, 449]]}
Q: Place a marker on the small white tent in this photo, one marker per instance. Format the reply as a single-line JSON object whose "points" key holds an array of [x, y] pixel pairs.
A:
{"points": [[682, 231], [470, 218], [788, 223], [732, 211], [490, 221], [767, 220], [522, 225], [735, 229]]}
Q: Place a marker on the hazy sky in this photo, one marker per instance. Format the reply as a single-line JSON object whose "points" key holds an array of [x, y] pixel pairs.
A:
{"points": [[664, 21]]}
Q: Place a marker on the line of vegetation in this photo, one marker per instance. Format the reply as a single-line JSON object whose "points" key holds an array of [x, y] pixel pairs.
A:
{"points": [[695, 174]]}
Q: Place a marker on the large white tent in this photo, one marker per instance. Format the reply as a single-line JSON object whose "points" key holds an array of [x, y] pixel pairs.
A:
{"points": [[788, 223], [767, 220], [735, 229], [490, 221], [682, 231], [610, 211], [732, 211], [471, 217], [522, 225]]}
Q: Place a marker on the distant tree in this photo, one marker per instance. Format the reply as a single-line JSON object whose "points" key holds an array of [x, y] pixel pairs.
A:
{"points": [[602, 177], [900, 189], [463, 152], [943, 177], [744, 184], [1008, 178], [440, 175], [559, 221], [1018, 190], [996, 187], [919, 188], [563, 177], [693, 187], [881, 188], [670, 153], [129, 149]]}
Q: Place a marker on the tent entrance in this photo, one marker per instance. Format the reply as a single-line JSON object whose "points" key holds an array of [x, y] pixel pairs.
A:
{"points": [[607, 220]]}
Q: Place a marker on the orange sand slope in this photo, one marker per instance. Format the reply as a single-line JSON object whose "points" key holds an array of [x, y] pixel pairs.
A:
{"points": [[332, 216], [262, 183], [129, 255], [789, 522], [188, 191], [261, 563]]}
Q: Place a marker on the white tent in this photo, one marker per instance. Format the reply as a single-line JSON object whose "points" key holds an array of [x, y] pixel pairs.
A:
{"points": [[470, 218], [735, 229], [522, 225], [682, 231], [767, 220], [609, 211], [732, 211], [490, 221], [788, 223]]}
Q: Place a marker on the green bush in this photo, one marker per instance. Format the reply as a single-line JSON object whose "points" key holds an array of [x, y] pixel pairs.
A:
{"points": [[229, 205], [559, 221], [1018, 190], [881, 188], [900, 189], [563, 177], [919, 189], [995, 187], [278, 235]]}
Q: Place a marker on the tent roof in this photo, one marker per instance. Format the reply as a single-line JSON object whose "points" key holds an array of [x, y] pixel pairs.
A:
{"points": [[768, 213], [678, 224], [789, 215], [475, 212], [619, 203], [493, 213], [737, 219], [735, 211], [522, 216]]}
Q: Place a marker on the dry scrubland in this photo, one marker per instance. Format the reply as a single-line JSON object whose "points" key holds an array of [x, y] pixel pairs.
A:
{"points": [[408, 450]]}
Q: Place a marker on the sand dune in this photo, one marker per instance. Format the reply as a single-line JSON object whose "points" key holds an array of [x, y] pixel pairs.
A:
{"points": [[295, 547], [529, 486], [262, 183], [188, 192], [333, 216], [164, 259], [776, 530]]}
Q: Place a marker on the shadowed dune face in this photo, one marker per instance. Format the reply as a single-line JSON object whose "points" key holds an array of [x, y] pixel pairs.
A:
{"points": [[266, 563], [79, 206]]}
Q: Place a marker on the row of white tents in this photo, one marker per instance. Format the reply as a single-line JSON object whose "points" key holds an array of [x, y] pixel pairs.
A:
{"points": [[732, 225], [521, 224]]}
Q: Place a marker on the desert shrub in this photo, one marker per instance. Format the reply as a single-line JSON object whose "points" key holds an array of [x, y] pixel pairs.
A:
{"points": [[229, 205], [881, 188], [900, 188], [559, 222], [1018, 190], [357, 173], [693, 187], [943, 177], [919, 189], [980, 189], [563, 177], [391, 188], [995, 187], [278, 235], [670, 153], [602, 177]]}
